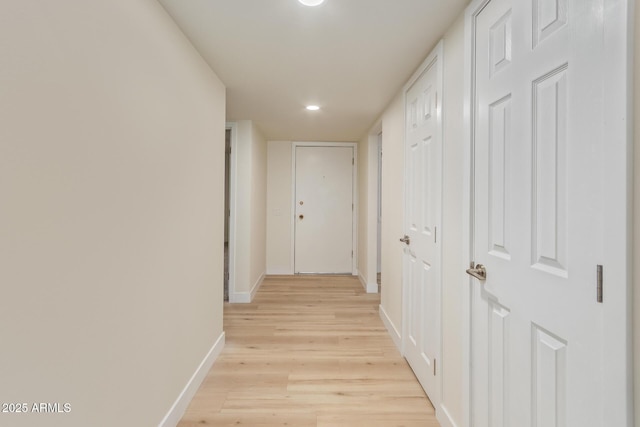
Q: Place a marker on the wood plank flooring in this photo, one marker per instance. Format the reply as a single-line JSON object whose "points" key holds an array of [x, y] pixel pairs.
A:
{"points": [[309, 351]]}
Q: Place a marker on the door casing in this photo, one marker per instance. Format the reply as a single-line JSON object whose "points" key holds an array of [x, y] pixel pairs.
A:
{"points": [[374, 199], [354, 212], [233, 127]]}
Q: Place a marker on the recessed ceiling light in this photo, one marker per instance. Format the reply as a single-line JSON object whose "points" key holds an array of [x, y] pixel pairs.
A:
{"points": [[311, 2], [313, 107]]}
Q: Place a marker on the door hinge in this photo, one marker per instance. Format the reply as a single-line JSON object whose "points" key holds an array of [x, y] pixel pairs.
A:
{"points": [[434, 367], [353, 161], [351, 254], [599, 280], [435, 234]]}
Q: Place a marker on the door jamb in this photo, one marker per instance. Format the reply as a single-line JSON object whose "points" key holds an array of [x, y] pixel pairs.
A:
{"points": [[618, 122], [233, 127], [471, 13], [371, 251], [354, 197]]}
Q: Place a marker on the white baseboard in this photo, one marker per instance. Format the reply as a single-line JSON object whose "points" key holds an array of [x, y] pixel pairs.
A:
{"points": [[363, 281], [240, 298], [391, 328], [256, 286], [279, 271], [246, 297], [444, 418], [182, 402], [370, 288]]}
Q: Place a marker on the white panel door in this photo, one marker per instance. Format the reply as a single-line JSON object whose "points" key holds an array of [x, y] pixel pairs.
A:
{"points": [[324, 209], [537, 336], [423, 206]]}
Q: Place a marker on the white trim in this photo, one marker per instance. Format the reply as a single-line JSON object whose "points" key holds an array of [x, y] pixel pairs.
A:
{"points": [[240, 298], [233, 179], [247, 297], [363, 280], [292, 213], [434, 55], [391, 328], [355, 211], [279, 272], [370, 288], [182, 402], [469, 54], [371, 251], [256, 286], [444, 418], [618, 23], [354, 197]]}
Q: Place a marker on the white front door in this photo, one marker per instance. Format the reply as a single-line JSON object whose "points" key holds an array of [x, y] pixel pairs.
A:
{"points": [[423, 206], [538, 225], [324, 209]]}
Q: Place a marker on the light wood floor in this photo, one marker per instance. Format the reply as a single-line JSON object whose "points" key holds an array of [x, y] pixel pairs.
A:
{"points": [[309, 351]]}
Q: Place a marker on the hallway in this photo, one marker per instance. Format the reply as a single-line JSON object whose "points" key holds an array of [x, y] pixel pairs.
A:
{"points": [[309, 351]]}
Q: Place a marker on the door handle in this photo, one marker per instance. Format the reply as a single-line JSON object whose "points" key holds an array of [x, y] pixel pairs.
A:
{"points": [[301, 216], [479, 272], [406, 240]]}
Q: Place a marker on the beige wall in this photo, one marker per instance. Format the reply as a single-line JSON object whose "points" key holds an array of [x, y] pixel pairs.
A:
{"points": [[453, 276], [240, 260], [258, 242], [368, 208], [279, 214], [393, 217], [250, 211], [392, 212], [111, 226], [364, 165], [636, 219]]}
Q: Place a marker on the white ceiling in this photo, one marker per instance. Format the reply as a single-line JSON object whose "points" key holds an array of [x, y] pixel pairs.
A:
{"points": [[348, 56]]}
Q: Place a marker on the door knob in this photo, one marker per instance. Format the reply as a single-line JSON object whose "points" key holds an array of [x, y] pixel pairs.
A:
{"points": [[301, 216], [406, 240], [479, 272]]}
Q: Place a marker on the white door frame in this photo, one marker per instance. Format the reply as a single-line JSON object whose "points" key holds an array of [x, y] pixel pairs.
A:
{"points": [[354, 212], [436, 56], [618, 158], [233, 127], [373, 196]]}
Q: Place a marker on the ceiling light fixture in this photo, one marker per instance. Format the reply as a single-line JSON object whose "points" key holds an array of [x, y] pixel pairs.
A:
{"points": [[313, 107], [311, 2]]}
